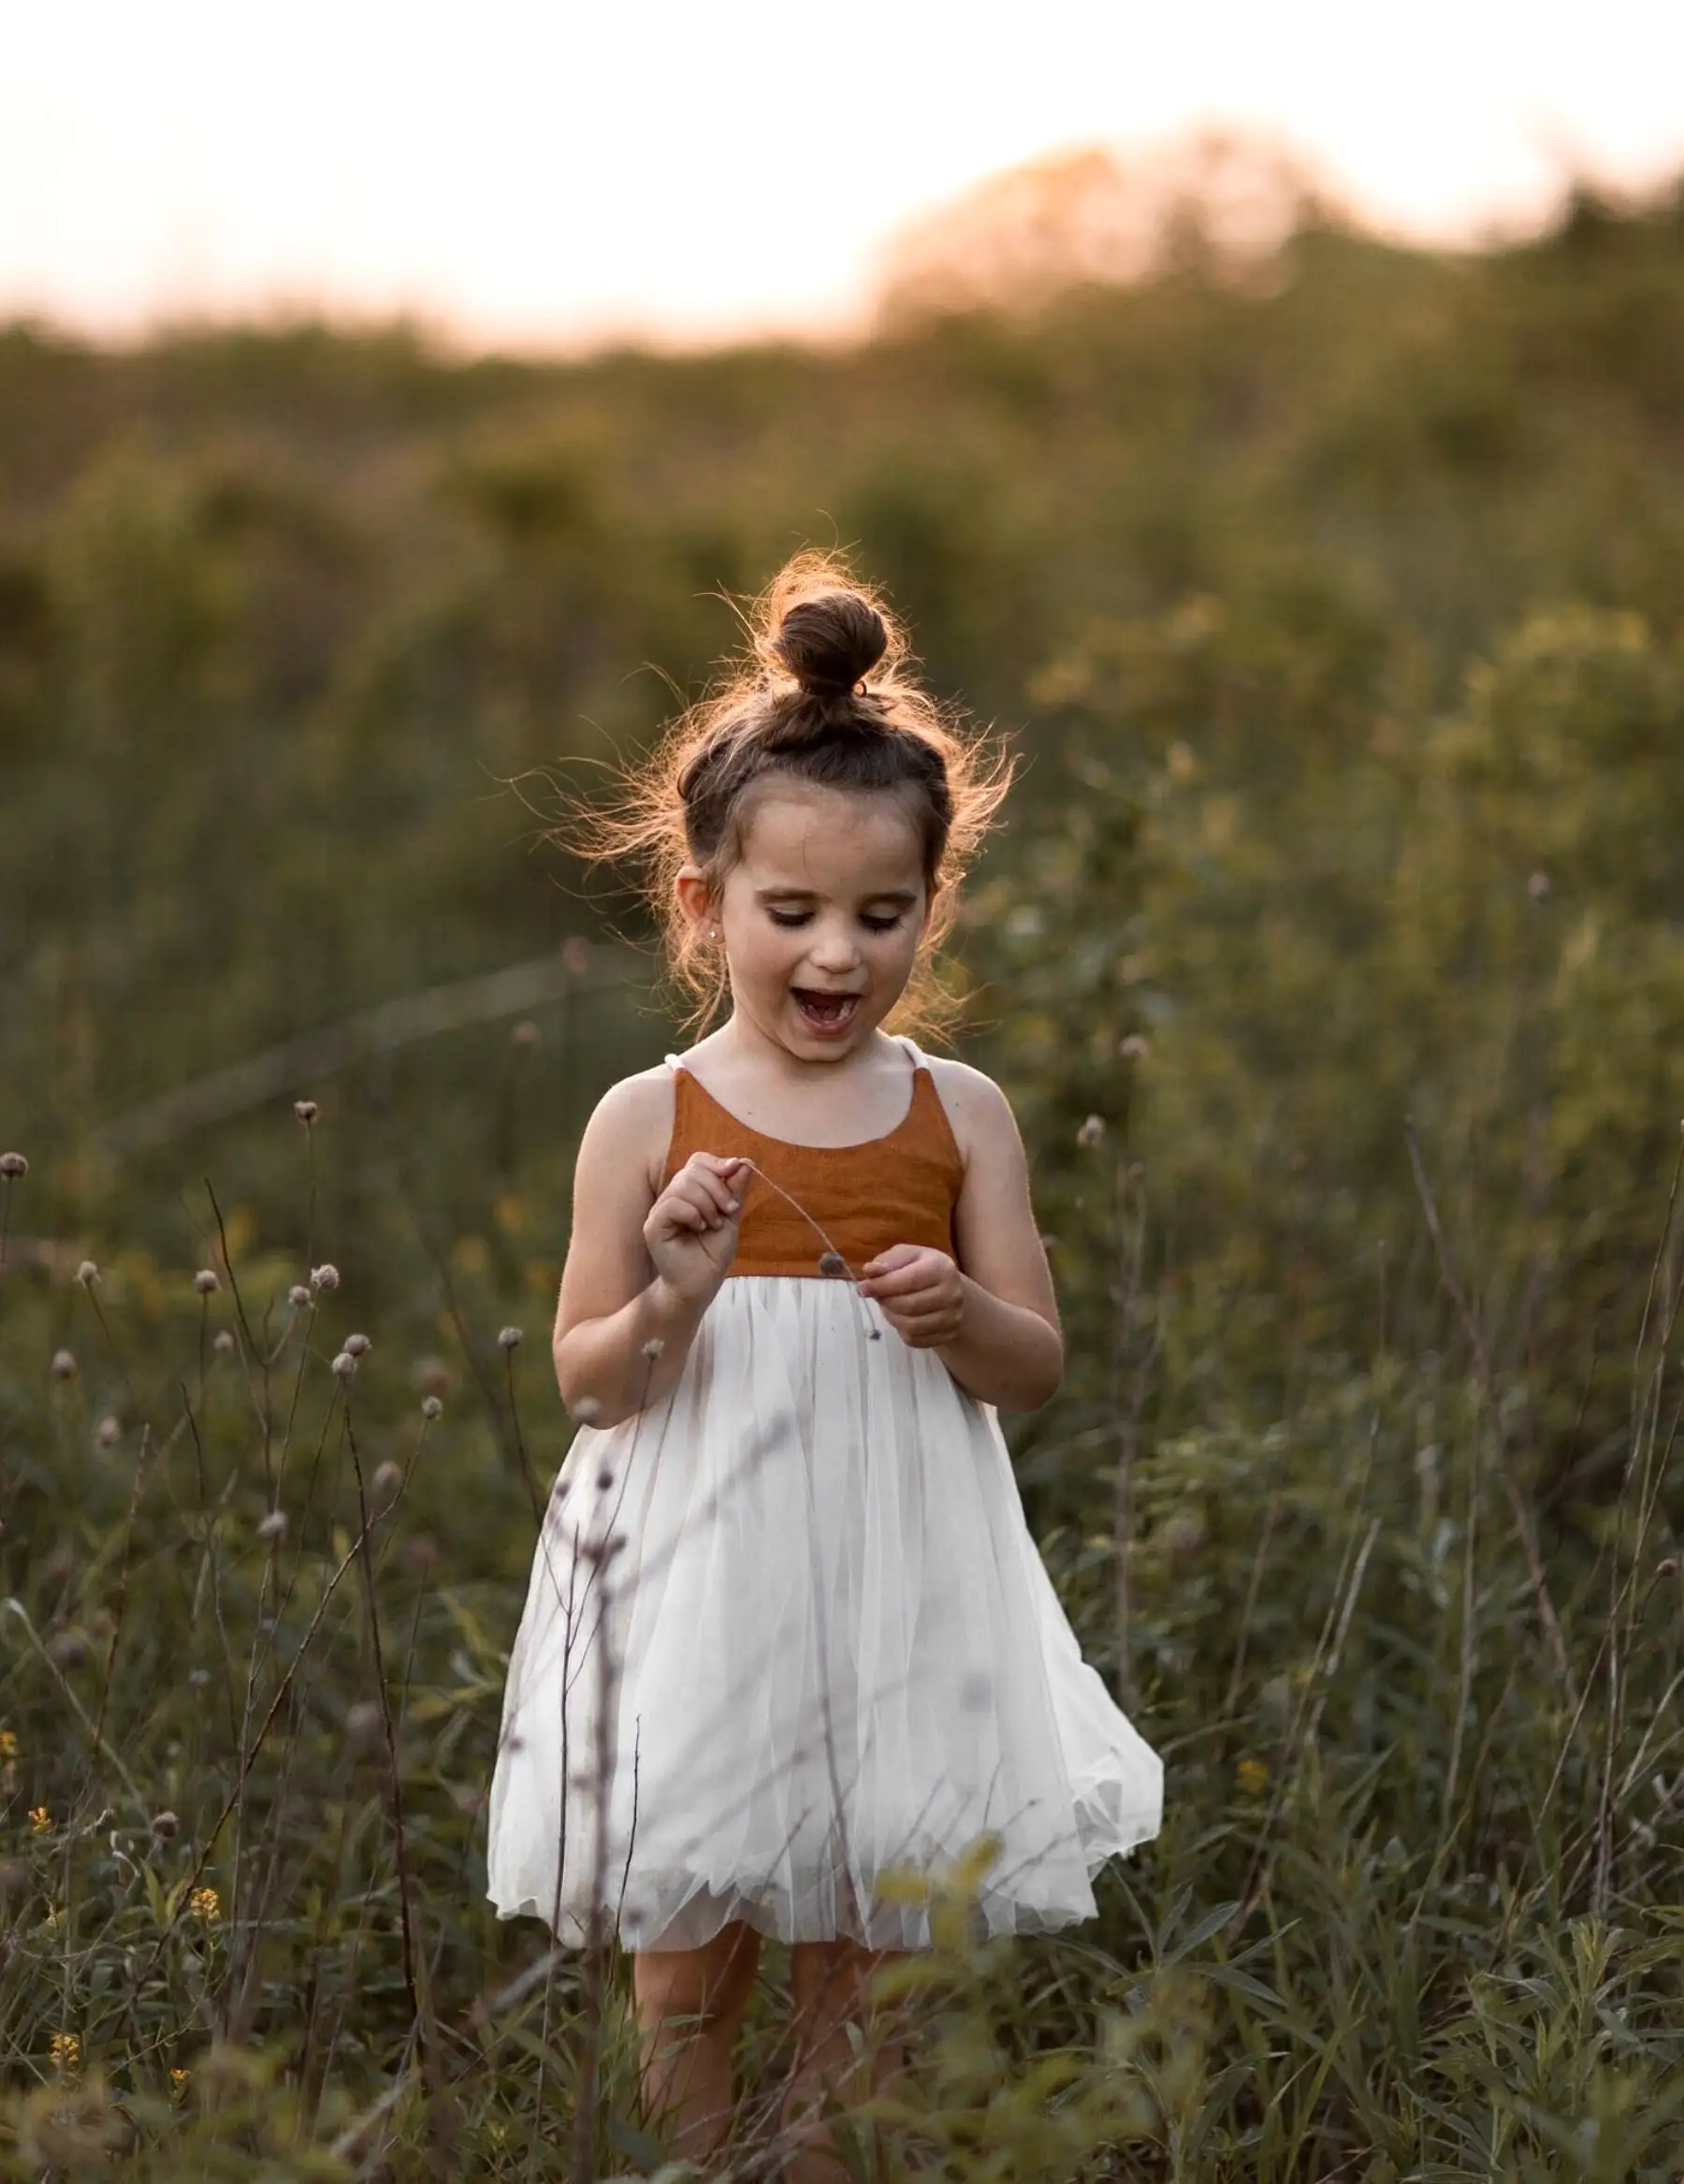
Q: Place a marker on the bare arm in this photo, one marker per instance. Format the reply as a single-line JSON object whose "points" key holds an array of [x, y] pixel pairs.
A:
{"points": [[993, 1317], [642, 1267]]}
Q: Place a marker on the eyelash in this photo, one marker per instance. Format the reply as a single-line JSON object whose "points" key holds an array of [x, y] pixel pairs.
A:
{"points": [[871, 924]]}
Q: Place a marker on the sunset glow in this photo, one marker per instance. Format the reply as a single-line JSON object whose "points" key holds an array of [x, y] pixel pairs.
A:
{"points": [[547, 175]]}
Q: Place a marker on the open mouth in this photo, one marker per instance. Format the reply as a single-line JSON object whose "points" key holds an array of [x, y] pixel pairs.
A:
{"points": [[825, 1012]]}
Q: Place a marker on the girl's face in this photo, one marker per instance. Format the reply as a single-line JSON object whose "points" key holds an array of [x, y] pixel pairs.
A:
{"points": [[821, 917]]}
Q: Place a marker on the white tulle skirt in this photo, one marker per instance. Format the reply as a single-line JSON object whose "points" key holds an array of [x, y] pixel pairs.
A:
{"points": [[832, 1650]]}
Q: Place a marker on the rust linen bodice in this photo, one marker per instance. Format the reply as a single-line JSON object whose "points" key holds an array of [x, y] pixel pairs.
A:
{"points": [[898, 1188]]}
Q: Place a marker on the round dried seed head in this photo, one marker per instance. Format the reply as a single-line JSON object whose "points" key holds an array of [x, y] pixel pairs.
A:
{"points": [[108, 1431], [67, 1649], [525, 1034], [363, 1725], [383, 1486], [165, 1825], [87, 1274], [223, 1341], [13, 1164], [431, 1406], [344, 1367], [654, 1346], [358, 1345], [833, 1263], [64, 1365], [586, 1410], [306, 1111], [273, 1527], [324, 1277], [1135, 1048], [1091, 1132], [510, 1338], [298, 1296], [205, 1282]]}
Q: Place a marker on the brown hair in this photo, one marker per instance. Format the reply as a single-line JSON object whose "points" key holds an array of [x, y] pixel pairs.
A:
{"points": [[826, 697]]}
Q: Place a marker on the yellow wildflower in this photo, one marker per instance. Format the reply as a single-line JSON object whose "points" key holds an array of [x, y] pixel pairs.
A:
{"points": [[204, 1905], [40, 1819], [66, 2052], [178, 2080], [1252, 1777], [9, 1743]]}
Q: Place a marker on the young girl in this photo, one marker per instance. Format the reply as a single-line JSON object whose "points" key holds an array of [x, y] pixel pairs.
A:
{"points": [[787, 1628]]}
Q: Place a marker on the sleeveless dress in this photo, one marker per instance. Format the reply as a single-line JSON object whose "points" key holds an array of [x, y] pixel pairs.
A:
{"points": [[787, 1628]]}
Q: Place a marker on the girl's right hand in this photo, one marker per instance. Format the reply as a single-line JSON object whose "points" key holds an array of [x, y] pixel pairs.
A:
{"points": [[691, 1230]]}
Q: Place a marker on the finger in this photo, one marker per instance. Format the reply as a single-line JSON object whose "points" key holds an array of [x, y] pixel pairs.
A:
{"points": [[910, 1321], [905, 1281], [722, 1188], [898, 1255], [681, 1214], [704, 1188], [926, 1335]]}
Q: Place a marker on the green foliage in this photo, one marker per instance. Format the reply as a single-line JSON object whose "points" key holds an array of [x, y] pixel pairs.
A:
{"points": [[1331, 958]]}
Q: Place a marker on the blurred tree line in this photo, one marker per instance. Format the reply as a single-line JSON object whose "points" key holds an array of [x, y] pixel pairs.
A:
{"points": [[1337, 611]]}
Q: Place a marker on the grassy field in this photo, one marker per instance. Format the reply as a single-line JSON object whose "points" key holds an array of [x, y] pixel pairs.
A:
{"points": [[1333, 959]]}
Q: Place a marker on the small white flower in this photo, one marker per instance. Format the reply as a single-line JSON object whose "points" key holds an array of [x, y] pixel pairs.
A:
{"points": [[87, 1274], [510, 1338], [358, 1345], [64, 1365], [324, 1277], [205, 1282], [431, 1407], [273, 1527], [344, 1367]]}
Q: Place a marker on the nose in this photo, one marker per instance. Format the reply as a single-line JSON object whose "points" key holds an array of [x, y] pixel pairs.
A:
{"points": [[835, 950]]}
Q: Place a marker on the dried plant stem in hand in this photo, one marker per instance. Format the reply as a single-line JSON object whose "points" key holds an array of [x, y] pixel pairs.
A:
{"points": [[830, 1262]]}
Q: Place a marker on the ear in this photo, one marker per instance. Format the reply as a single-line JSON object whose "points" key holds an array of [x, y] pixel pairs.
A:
{"points": [[694, 901]]}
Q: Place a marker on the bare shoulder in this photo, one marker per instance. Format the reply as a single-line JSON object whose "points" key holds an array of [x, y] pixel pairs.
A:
{"points": [[632, 1125], [978, 1111]]}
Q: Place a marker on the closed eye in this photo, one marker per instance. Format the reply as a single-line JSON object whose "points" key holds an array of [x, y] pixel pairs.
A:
{"points": [[789, 918]]}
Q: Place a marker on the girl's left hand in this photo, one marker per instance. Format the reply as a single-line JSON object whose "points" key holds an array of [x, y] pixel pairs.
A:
{"points": [[921, 1291]]}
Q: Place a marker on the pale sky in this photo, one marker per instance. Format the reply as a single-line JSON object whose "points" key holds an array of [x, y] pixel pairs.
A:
{"points": [[539, 174]]}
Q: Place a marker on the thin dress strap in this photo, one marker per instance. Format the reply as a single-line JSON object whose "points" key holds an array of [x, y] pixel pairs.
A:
{"points": [[673, 1061]]}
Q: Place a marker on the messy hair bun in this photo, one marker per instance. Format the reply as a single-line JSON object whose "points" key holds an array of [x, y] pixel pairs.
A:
{"points": [[803, 708], [830, 643]]}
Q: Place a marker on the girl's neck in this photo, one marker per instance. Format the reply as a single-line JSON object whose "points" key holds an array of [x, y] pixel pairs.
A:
{"points": [[739, 1046]]}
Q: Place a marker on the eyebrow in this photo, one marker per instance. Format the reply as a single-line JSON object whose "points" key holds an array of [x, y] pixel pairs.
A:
{"points": [[905, 896]]}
